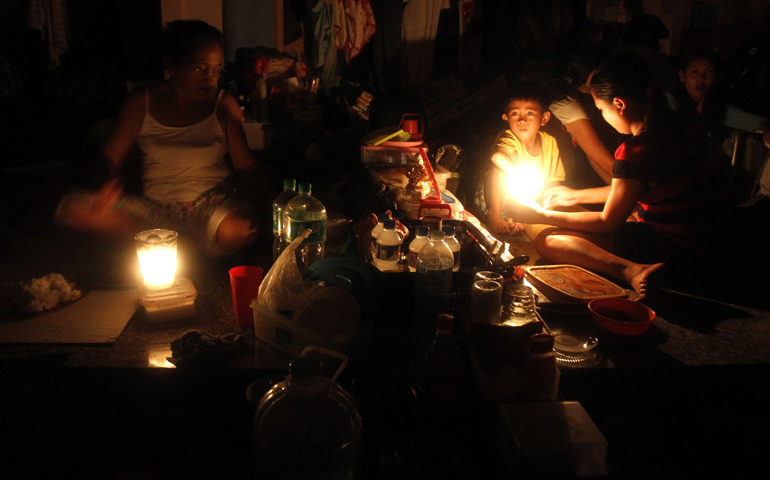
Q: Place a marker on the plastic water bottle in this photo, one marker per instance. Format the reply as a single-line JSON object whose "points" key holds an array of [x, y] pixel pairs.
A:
{"points": [[433, 283], [419, 241], [305, 212], [451, 241], [279, 207], [388, 247], [306, 427], [376, 231]]}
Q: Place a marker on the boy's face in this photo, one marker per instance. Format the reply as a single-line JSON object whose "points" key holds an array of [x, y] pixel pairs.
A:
{"points": [[525, 117]]}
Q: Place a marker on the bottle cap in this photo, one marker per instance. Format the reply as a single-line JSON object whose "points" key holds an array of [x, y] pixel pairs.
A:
{"points": [[305, 370], [381, 217], [289, 183], [436, 235], [540, 343], [305, 187], [449, 230], [422, 231], [445, 322], [390, 224]]}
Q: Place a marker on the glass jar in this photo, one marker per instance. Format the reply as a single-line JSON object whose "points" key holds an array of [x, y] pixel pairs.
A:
{"points": [[518, 305], [307, 426]]}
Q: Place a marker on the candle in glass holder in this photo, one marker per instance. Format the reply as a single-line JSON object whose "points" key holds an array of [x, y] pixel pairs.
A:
{"points": [[156, 250]]}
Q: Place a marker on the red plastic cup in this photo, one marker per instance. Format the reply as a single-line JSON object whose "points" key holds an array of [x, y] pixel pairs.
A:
{"points": [[245, 282]]}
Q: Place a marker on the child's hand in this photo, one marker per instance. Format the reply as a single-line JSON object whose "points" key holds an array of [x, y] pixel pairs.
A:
{"points": [[561, 197], [517, 227]]}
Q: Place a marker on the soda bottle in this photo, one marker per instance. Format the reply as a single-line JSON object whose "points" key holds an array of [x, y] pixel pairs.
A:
{"points": [[443, 372], [388, 247], [279, 207], [306, 212], [306, 427], [451, 241], [419, 241], [433, 282]]}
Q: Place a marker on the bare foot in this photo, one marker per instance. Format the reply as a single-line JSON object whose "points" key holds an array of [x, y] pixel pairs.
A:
{"points": [[645, 278]]}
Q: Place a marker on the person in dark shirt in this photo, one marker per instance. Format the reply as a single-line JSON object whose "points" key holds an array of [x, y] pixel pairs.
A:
{"points": [[668, 172]]}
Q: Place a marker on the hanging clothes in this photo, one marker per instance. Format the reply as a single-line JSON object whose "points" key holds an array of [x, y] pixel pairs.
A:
{"points": [[353, 26], [48, 16], [420, 25]]}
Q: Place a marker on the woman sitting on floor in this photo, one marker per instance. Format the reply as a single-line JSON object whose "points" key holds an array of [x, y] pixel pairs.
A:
{"points": [[186, 127], [674, 179]]}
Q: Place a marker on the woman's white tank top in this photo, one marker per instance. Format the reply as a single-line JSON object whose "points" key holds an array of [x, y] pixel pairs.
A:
{"points": [[181, 163]]}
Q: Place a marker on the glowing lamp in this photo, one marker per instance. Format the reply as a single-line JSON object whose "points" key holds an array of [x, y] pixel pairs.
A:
{"points": [[163, 295], [524, 182]]}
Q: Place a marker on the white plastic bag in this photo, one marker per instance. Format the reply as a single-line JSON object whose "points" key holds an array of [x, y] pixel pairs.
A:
{"points": [[283, 288]]}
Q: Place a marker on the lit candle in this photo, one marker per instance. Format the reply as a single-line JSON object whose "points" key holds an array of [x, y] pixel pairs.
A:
{"points": [[524, 182], [156, 250]]}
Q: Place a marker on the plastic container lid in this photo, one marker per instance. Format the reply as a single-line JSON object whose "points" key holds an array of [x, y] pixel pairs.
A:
{"points": [[390, 224], [449, 230], [289, 183], [422, 231]]}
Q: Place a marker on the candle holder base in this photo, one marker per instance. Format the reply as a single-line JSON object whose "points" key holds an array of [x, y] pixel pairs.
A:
{"points": [[172, 303]]}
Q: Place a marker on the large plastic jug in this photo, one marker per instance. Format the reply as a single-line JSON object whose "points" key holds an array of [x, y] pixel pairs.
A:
{"points": [[307, 426]]}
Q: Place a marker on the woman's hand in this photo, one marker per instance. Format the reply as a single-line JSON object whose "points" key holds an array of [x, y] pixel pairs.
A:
{"points": [[561, 196], [526, 211], [106, 197]]}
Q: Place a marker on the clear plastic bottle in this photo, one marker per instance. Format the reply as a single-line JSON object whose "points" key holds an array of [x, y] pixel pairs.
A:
{"points": [[433, 282], [388, 247], [376, 233], [279, 207], [443, 372], [419, 241], [307, 427], [451, 241], [305, 212]]}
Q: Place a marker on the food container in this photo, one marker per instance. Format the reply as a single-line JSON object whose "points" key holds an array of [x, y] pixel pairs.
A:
{"points": [[572, 284], [621, 316], [172, 303]]}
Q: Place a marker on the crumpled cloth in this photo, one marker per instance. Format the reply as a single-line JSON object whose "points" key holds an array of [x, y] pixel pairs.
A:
{"points": [[353, 26], [200, 348]]}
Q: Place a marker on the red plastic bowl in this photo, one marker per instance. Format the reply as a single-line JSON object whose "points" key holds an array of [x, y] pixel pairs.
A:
{"points": [[621, 316]]}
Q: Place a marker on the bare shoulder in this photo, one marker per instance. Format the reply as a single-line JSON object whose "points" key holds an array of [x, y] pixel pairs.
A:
{"points": [[228, 109]]}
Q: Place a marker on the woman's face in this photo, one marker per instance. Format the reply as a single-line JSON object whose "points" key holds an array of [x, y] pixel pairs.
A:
{"points": [[615, 114], [198, 74], [698, 77]]}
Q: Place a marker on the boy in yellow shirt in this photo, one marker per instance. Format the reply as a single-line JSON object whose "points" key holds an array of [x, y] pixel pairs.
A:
{"points": [[522, 144]]}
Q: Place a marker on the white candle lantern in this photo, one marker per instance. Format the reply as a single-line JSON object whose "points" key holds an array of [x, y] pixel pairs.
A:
{"points": [[156, 250]]}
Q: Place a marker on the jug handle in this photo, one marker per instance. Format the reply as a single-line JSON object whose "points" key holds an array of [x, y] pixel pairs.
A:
{"points": [[323, 354]]}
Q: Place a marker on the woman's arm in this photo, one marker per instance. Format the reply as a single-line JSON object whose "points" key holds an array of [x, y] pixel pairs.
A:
{"points": [[620, 203], [127, 127], [257, 188], [600, 158]]}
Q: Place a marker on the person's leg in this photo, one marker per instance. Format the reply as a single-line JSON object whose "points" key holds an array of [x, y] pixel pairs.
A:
{"points": [[235, 233], [591, 252]]}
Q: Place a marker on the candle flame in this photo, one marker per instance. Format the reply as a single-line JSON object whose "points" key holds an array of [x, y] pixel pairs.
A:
{"points": [[524, 182]]}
